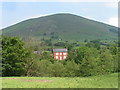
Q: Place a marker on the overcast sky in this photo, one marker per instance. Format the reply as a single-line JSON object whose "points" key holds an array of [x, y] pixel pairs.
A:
{"points": [[14, 12]]}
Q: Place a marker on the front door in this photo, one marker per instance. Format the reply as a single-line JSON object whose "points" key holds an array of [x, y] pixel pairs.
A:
{"points": [[60, 57]]}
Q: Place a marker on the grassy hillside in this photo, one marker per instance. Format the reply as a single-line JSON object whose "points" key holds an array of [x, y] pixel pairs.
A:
{"points": [[62, 26], [105, 81]]}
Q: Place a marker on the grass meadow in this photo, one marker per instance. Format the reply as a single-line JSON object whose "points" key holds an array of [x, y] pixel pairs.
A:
{"points": [[104, 81]]}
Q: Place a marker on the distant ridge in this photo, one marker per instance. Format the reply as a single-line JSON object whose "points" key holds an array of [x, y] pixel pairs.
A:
{"points": [[62, 26]]}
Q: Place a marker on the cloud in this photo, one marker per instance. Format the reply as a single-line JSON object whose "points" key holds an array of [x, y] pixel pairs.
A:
{"points": [[113, 21], [37, 16]]}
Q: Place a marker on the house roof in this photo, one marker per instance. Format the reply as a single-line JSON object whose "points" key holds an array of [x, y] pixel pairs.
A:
{"points": [[60, 50]]}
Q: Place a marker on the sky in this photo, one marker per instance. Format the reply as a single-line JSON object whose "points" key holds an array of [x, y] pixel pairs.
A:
{"points": [[14, 12]]}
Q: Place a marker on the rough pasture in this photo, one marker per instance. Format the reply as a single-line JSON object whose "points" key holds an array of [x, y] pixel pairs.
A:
{"points": [[106, 81]]}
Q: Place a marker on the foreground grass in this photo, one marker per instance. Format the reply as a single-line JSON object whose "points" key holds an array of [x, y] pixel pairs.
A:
{"points": [[106, 81]]}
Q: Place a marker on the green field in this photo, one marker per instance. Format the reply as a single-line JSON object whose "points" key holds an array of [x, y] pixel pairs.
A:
{"points": [[106, 81]]}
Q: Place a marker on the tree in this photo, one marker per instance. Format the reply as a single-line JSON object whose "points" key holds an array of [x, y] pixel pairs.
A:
{"points": [[71, 69], [14, 56], [88, 61], [86, 40], [71, 52], [107, 62], [94, 43], [57, 70], [113, 49], [80, 54]]}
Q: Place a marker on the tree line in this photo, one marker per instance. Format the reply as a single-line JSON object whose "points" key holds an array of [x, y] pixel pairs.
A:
{"points": [[88, 60]]}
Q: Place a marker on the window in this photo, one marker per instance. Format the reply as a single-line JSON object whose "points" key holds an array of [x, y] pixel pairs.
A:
{"points": [[56, 53], [56, 57], [64, 57], [64, 53], [60, 53]]}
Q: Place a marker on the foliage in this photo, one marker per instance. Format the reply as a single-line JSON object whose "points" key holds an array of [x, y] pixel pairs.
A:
{"points": [[88, 63], [86, 60], [59, 44], [13, 56], [72, 69]]}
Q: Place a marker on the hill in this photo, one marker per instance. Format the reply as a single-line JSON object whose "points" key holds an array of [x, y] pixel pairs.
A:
{"points": [[62, 26]]}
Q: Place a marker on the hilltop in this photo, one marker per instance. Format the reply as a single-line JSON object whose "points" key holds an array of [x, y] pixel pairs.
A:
{"points": [[64, 27]]}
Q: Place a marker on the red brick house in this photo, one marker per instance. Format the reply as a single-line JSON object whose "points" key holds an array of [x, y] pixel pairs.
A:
{"points": [[60, 54]]}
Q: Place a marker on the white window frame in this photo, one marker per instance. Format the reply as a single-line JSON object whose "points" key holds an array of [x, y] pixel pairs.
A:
{"points": [[56, 53], [56, 57], [65, 57], [60, 53], [64, 53]]}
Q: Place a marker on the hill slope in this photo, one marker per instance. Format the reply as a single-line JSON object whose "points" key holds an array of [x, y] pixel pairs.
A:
{"points": [[62, 26]]}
